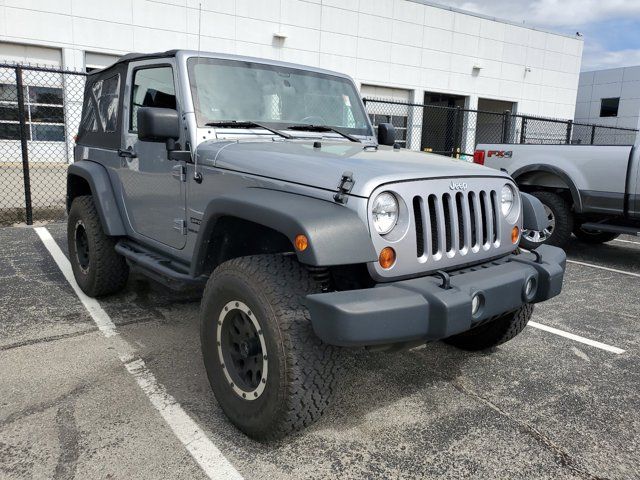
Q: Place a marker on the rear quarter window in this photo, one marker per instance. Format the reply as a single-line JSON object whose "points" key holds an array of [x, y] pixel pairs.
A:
{"points": [[100, 109]]}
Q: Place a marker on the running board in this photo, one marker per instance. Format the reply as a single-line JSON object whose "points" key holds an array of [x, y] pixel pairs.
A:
{"points": [[160, 268], [603, 227]]}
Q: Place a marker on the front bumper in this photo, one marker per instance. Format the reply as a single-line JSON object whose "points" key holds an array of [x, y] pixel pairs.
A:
{"points": [[420, 309]]}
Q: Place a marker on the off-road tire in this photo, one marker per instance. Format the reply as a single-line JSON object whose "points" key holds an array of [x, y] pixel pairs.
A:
{"points": [[107, 271], [495, 332], [302, 370], [593, 237], [563, 217]]}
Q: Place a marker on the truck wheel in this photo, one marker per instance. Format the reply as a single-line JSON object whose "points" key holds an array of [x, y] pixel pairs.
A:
{"points": [[268, 370], [559, 227], [495, 332], [590, 236], [98, 269]]}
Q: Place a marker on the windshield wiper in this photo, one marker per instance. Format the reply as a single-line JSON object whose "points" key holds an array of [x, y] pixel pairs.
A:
{"points": [[322, 128], [247, 124]]}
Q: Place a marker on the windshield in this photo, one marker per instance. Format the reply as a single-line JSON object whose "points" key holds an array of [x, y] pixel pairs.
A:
{"points": [[232, 90]]}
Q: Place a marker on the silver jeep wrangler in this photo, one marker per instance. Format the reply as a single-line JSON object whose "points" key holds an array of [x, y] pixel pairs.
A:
{"points": [[264, 183]]}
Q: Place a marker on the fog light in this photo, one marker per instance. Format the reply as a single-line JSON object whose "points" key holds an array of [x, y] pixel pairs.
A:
{"points": [[387, 257], [476, 303]]}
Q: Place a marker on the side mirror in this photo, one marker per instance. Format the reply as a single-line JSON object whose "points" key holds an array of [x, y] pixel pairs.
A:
{"points": [[158, 124], [386, 134]]}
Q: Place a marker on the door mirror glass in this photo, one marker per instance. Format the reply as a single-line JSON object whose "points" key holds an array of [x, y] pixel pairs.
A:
{"points": [[386, 134], [157, 124]]}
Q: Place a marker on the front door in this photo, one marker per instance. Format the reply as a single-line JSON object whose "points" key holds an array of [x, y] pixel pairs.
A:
{"points": [[153, 186]]}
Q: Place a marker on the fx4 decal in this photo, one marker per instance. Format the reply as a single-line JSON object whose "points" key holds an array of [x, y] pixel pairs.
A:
{"points": [[500, 153]]}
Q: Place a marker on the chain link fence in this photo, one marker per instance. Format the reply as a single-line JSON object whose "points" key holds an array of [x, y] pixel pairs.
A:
{"points": [[40, 110], [455, 131]]}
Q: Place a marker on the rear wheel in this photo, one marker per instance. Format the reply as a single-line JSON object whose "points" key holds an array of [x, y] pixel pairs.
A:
{"points": [[268, 370], [495, 332], [96, 266], [590, 236], [557, 232]]}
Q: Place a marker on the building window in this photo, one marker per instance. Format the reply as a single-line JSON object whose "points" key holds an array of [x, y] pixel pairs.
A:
{"points": [[398, 121], [44, 113], [609, 107]]}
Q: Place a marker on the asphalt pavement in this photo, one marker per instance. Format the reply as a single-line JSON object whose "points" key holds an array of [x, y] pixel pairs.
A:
{"points": [[544, 405]]}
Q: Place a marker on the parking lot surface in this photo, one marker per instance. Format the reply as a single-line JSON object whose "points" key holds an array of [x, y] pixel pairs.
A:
{"points": [[541, 406]]}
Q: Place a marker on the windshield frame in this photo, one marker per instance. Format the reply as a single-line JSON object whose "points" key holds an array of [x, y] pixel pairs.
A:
{"points": [[201, 121]]}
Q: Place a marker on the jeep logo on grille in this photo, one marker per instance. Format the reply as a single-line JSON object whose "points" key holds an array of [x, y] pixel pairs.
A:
{"points": [[458, 185]]}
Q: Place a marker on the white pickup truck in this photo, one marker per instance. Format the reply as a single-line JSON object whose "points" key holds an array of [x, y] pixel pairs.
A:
{"points": [[588, 190]]}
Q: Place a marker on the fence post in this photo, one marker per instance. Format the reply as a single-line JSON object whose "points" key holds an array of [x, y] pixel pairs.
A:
{"points": [[506, 126], [593, 134], [569, 128], [24, 146], [456, 131], [523, 130]]}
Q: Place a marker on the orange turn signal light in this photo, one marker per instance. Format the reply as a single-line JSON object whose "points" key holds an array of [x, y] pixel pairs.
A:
{"points": [[515, 235], [387, 257], [301, 242]]}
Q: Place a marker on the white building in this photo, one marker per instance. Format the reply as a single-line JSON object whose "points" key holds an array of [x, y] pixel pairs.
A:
{"points": [[610, 97], [408, 50]]}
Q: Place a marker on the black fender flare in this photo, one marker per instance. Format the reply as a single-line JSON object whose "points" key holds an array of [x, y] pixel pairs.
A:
{"points": [[575, 193], [103, 197], [533, 214], [336, 235]]}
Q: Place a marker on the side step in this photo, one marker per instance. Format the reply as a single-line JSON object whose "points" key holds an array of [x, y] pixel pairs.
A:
{"points": [[603, 227], [158, 267]]}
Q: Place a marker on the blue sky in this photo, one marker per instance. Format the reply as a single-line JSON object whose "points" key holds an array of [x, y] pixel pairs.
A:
{"points": [[610, 28]]}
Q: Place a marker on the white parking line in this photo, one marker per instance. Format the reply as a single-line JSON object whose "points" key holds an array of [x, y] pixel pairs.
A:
{"points": [[577, 338], [625, 241], [624, 272], [204, 452]]}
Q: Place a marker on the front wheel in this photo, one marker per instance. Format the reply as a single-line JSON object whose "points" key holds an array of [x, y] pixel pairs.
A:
{"points": [[559, 225], [268, 370], [495, 332]]}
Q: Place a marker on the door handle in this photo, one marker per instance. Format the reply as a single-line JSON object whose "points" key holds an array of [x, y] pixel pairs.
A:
{"points": [[129, 153]]}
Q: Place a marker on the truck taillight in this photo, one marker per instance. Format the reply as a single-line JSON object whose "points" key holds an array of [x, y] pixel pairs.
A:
{"points": [[478, 157]]}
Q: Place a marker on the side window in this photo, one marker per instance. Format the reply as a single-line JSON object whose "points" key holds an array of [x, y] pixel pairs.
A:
{"points": [[100, 112], [152, 87]]}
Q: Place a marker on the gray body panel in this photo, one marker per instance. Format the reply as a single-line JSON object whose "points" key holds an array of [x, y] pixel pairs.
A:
{"points": [[602, 179]]}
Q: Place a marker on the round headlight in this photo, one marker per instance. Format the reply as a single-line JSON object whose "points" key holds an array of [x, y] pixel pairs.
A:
{"points": [[385, 212], [506, 199]]}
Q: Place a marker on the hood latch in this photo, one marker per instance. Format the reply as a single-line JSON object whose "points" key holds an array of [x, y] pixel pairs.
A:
{"points": [[344, 188]]}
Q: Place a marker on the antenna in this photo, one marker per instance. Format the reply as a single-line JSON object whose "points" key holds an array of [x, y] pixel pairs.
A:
{"points": [[197, 176]]}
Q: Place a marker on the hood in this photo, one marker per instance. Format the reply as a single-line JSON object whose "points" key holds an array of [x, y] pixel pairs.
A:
{"points": [[299, 162]]}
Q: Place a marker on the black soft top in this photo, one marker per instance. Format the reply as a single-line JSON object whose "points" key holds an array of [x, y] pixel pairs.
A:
{"points": [[130, 57]]}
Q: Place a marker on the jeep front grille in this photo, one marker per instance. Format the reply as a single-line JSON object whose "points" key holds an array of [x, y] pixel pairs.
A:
{"points": [[455, 223], [441, 227]]}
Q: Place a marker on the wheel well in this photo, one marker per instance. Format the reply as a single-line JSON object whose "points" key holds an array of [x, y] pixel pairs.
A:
{"points": [[76, 186], [546, 181], [234, 237]]}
